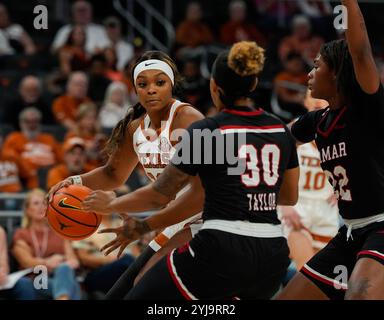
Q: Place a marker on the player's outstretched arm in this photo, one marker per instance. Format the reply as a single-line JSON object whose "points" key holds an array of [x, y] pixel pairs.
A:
{"points": [[112, 175], [359, 46], [187, 205], [153, 196]]}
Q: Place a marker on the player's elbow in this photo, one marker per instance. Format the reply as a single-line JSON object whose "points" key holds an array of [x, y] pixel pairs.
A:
{"points": [[111, 174], [157, 205], [158, 200], [288, 201], [289, 191], [288, 197]]}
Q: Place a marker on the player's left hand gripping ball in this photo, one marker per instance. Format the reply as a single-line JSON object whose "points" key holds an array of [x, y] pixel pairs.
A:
{"points": [[99, 202]]}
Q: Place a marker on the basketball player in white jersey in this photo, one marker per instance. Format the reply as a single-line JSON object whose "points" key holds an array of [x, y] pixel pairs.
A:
{"points": [[145, 136], [314, 220]]}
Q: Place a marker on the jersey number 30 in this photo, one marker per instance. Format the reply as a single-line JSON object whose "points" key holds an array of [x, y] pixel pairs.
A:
{"points": [[270, 160]]}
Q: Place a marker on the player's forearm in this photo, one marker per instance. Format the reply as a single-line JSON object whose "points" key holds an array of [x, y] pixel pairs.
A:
{"points": [[187, 205], [103, 178], [143, 199], [356, 33]]}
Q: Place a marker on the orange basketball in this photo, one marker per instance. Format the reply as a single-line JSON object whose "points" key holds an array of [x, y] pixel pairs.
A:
{"points": [[67, 218]]}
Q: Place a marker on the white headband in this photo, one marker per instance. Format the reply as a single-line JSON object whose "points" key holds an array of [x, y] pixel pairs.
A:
{"points": [[153, 64]]}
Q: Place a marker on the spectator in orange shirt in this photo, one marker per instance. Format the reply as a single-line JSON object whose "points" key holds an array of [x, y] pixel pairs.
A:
{"points": [[9, 172], [88, 128], [237, 28], [193, 32], [72, 55], [291, 85], [9, 178], [112, 73], [30, 148], [75, 159], [66, 106]]}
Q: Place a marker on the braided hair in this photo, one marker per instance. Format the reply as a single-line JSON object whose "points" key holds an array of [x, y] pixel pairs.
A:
{"points": [[338, 58]]}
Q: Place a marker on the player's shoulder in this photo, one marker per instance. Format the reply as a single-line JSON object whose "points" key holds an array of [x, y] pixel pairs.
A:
{"points": [[312, 116], [134, 124], [267, 119], [186, 110], [185, 115]]}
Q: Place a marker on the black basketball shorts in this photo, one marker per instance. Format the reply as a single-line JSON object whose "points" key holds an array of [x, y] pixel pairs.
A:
{"points": [[218, 265], [331, 267]]}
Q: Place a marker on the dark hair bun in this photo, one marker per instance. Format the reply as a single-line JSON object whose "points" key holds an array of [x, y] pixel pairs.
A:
{"points": [[246, 58]]}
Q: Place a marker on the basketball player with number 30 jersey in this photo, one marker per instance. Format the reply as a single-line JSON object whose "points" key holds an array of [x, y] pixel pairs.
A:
{"points": [[240, 250]]}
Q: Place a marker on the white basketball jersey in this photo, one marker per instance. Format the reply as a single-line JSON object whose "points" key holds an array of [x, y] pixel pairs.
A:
{"points": [[154, 149], [313, 182]]}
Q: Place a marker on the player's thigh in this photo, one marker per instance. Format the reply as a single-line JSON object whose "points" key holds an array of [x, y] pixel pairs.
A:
{"points": [[300, 247], [301, 288], [366, 281], [325, 272], [367, 278]]}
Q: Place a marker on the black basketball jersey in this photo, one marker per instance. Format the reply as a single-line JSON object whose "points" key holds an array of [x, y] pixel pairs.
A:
{"points": [[351, 145], [245, 186]]}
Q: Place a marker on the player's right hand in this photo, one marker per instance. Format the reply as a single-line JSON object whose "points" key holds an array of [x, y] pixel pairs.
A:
{"points": [[131, 230], [291, 218], [65, 183]]}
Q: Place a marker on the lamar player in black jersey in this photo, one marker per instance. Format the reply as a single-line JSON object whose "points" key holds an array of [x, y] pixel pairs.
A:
{"points": [[240, 250], [349, 136]]}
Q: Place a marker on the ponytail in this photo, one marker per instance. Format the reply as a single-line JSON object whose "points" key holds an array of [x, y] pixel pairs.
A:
{"points": [[118, 133]]}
